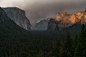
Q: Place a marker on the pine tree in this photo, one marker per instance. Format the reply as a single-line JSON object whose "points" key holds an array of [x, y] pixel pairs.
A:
{"points": [[75, 41], [81, 43], [67, 46], [61, 49], [68, 42]]}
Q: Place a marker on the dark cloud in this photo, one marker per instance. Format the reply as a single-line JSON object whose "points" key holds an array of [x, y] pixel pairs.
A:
{"points": [[40, 9]]}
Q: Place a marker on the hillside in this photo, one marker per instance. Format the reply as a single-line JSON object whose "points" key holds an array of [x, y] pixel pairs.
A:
{"points": [[10, 33]]}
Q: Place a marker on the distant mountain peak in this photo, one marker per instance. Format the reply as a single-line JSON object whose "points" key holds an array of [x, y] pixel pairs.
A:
{"points": [[65, 19], [71, 18], [42, 24], [84, 10], [38, 21], [46, 19]]}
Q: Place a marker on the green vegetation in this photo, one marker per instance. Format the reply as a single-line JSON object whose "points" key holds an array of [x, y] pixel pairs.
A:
{"points": [[42, 44]]}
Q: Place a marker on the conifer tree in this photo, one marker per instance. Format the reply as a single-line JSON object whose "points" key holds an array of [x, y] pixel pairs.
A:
{"points": [[61, 49], [75, 41], [68, 42], [81, 43]]}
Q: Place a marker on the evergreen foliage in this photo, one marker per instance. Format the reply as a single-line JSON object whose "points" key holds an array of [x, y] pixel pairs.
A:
{"points": [[80, 47]]}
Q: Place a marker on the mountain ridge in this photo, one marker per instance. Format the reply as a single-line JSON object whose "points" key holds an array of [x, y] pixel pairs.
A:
{"points": [[64, 20]]}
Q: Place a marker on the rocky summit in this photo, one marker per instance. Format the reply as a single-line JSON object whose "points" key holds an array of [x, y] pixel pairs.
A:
{"points": [[64, 20], [18, 16], [42, 24]]}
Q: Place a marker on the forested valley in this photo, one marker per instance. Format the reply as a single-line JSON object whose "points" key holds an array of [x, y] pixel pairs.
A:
{"points": [[43, 44]]}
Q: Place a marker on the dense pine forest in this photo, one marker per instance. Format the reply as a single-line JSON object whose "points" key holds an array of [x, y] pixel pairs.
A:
{"points": [[42, 44]]}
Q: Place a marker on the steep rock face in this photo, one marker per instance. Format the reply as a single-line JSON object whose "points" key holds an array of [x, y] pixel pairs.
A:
{"points": [[42, 24], [64, 20], [18, 16], [62, 16], [7, 25], [52, 25]]}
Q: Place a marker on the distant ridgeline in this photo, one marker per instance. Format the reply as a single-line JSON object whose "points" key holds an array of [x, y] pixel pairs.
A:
{"points": [[18, 16], [65, 20], [42, 24]]}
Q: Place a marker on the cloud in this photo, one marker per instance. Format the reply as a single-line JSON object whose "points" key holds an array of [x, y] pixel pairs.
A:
{"points": [[40, 9], [50, 9]]}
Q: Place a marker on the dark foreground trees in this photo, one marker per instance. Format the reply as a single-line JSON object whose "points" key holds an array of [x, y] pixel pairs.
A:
{"points": [[80, 49], [68, 47], [21, 45]]}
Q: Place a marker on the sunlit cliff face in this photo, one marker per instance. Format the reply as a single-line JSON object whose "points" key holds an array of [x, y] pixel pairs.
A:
{"points": [[40, 9]]}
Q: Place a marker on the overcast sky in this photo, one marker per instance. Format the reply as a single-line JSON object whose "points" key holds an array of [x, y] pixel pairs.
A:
{"points": [[40, 9]]}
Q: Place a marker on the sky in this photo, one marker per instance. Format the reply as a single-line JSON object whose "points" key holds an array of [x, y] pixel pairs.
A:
{"points": [[41, 9]]}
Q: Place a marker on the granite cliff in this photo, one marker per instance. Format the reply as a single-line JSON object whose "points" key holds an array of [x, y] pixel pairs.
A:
{"points": [[42, 24], [18, 16], [64, 20], [7, 25]]}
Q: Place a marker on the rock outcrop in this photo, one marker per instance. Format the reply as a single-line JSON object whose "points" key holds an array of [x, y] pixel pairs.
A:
{"points": [[64, 20], [7, 25], [42, 24], [52, 25], [18, 16]]}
